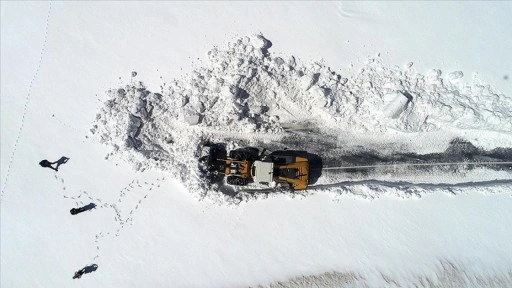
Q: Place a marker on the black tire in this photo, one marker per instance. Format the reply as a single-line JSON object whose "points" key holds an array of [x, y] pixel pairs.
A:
{"points": [[203, 165], [243, 154], [237, 155], [237, 181]]}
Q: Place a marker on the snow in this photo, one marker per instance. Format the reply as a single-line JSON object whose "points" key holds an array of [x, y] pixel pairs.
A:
{"points": [[246, 93], [384, 76]]}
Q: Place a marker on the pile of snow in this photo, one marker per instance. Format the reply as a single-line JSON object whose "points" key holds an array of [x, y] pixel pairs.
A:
{"points": [[245, 92]]}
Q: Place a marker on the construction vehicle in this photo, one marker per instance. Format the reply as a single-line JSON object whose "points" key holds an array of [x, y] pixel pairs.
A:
{"points": [[247, 165]]}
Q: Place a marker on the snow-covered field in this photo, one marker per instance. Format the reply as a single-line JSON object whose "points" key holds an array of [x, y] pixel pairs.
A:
{"points": [[129, 90]]}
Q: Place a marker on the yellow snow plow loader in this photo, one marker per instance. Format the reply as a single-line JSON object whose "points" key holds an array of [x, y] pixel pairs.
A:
{"points": [[246, 165]]}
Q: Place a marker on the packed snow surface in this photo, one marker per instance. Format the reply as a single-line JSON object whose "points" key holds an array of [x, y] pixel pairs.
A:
{"points": [[247, 95]]}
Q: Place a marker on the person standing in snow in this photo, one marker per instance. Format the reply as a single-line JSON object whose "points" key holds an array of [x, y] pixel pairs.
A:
{"points": [[47, 164], [87, 207], [79, 273], [87, 269]]}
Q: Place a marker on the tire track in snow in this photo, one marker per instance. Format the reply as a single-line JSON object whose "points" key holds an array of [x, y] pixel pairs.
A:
{"points": [[27, 100]]}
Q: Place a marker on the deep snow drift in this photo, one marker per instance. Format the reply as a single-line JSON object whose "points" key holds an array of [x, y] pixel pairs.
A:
{"points": [[246, 95]]}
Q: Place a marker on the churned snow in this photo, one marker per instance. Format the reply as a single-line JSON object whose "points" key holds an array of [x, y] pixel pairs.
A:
{"points": [[246, 93]]}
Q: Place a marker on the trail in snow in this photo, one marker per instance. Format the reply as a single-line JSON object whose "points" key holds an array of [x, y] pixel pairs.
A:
{"points": [[27, 100], [420, 164], [124, 206], [247, 96]]}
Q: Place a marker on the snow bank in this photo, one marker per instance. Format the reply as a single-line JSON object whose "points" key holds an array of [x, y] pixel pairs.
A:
{"points": [[447, 274], [245, 92]]}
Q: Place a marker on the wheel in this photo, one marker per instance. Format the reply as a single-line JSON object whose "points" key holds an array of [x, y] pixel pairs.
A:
{"points": [[237, 155], [203, 165], [237, 181], [250, 154]]}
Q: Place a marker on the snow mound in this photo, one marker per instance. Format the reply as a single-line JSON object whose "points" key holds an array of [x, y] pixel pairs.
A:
{"points": [[245, 92]]}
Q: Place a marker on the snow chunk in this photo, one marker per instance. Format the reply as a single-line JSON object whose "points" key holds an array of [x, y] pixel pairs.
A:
{"points": [[455, 75], [261, 42], [193, 119], [397, 105]]}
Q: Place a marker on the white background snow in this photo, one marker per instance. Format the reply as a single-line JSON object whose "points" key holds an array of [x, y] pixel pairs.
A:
{"points": [[58, 60]]}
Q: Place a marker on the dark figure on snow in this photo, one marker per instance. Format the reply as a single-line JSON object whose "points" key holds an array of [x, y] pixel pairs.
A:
{"points": [[47, 164], [87, 269], [79, 273], [87, 207]]}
